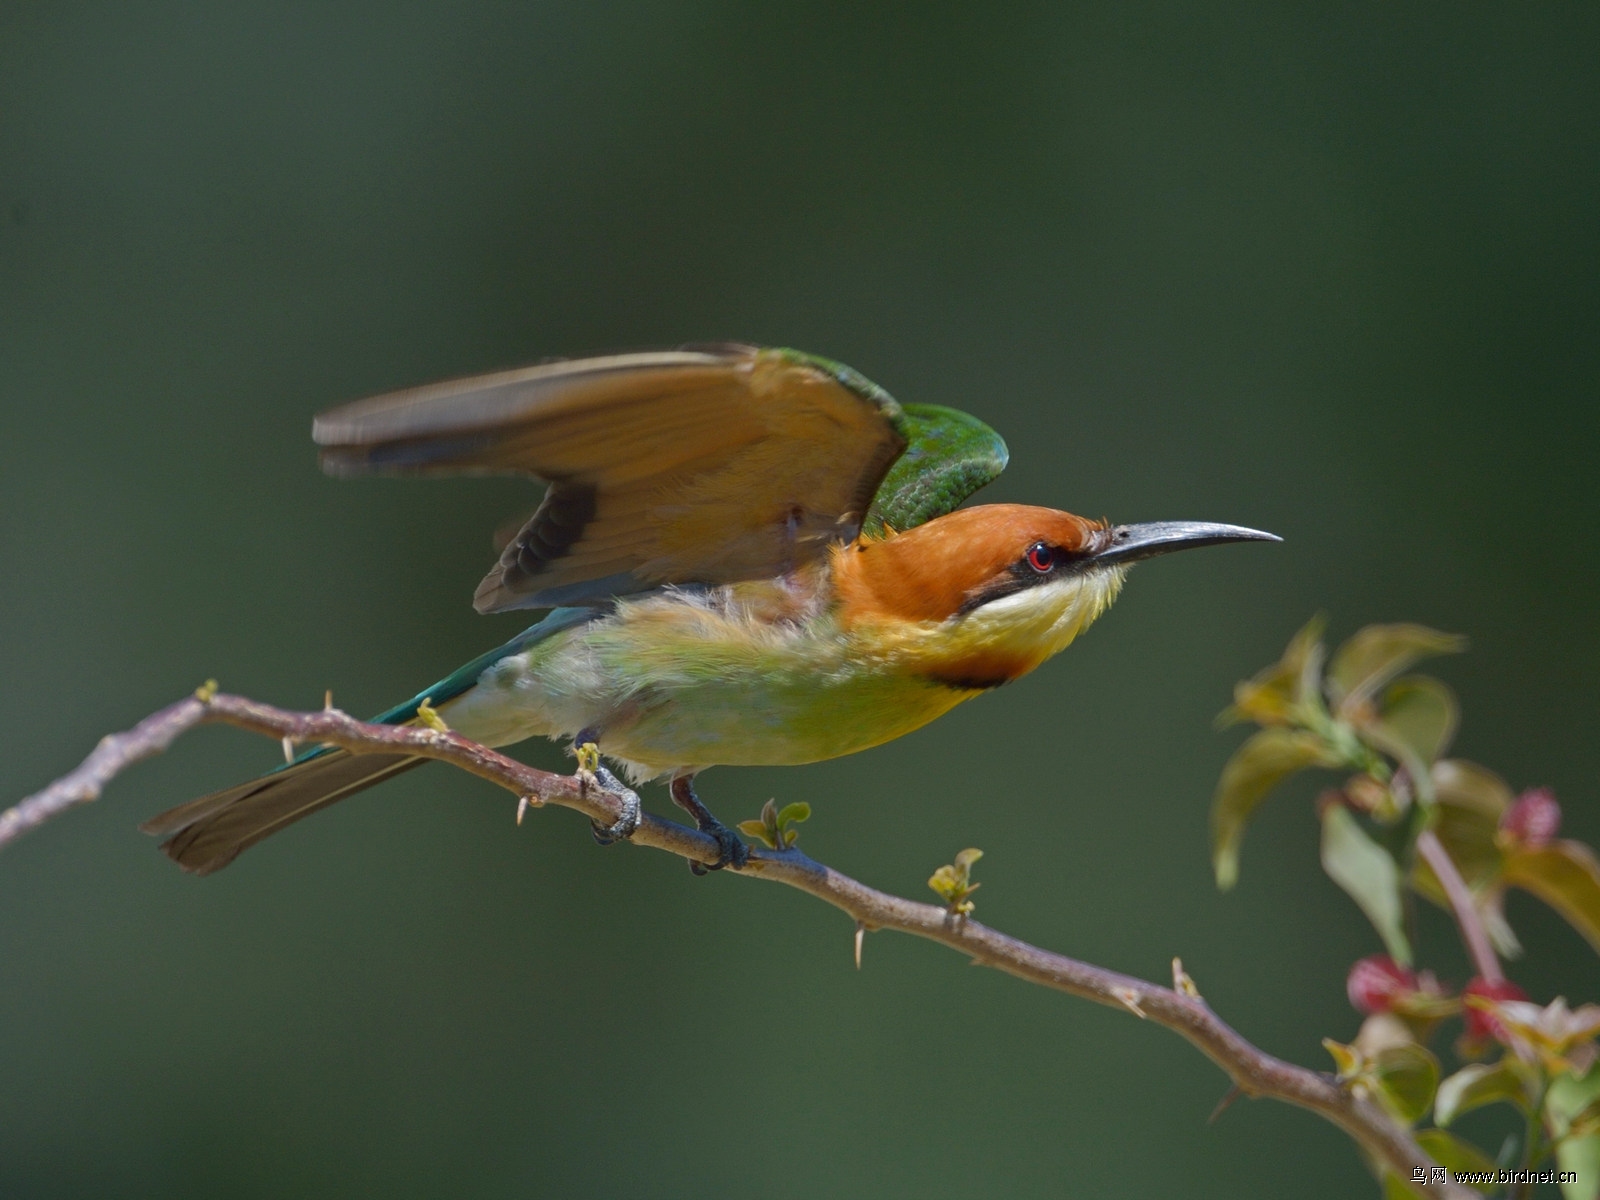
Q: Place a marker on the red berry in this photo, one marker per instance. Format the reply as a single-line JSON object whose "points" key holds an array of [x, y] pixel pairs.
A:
{"points": [[1534, 819], [1375, 983], [1480, 1024]]}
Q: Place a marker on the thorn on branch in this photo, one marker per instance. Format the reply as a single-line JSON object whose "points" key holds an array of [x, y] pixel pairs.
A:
{"points": [[1130, 998], [288, 748], [861, 936], [524, 803], [1181, 983], [1225, 1103]]}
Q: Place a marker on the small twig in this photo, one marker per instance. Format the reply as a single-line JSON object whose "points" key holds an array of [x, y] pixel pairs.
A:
{"points": [[1468, 920], [115, 754], [1253, 1071]]}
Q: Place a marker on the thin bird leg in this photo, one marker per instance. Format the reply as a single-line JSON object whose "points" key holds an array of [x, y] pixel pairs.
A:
{"points": [[624, 827], [731, 852]]}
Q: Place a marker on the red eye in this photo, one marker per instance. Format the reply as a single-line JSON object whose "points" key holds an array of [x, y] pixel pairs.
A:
{"points": [[1040, 557]]}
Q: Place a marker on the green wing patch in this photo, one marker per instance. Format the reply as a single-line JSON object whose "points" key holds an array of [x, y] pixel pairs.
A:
{"points": [[950, 455]]}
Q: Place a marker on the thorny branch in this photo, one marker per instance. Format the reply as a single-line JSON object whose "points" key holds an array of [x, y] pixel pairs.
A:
{"points": [[1180, 1008]]}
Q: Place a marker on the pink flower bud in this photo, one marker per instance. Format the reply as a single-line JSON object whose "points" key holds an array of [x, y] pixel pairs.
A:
{"points": [[1482, 1025], [1534, 819], [1375, 983]]}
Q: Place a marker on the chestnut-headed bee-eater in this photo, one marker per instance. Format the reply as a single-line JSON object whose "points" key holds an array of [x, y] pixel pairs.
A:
{"points": [[749, 557]]}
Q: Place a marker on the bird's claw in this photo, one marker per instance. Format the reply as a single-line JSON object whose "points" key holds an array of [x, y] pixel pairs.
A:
{"points": [[731, 852], [625, 826], [619, 830]]}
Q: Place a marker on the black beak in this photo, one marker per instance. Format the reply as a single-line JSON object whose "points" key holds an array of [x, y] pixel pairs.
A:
{"points": [[1130, 543]]}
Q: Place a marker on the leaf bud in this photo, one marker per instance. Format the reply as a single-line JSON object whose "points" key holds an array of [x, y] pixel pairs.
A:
{"points": [[1367, 794], [1533, 819], [1377, 982]]}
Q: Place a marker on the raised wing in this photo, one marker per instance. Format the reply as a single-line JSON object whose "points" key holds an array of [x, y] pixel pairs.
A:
{"points": [[683, 466], [950, 456]]}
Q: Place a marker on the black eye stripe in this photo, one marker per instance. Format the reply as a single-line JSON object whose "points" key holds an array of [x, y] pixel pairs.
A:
{"points": [[1039, 564]]}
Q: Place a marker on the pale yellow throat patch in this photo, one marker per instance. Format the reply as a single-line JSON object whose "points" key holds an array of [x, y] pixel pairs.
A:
{"points": [[1008, 637]]}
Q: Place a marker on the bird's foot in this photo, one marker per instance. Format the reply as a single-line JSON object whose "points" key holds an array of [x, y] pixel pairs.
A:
{"points": [[731, 852], [589, 768], [625, 826]]}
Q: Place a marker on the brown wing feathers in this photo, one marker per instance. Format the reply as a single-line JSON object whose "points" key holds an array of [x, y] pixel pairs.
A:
{"points": [[683, 466]]}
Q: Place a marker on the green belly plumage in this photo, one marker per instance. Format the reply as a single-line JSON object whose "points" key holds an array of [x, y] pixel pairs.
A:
{"points": [[755, 722], [668, 684]]}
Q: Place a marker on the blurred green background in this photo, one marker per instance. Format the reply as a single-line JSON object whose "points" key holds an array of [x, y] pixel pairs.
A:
{"points": [[1330, 272]]}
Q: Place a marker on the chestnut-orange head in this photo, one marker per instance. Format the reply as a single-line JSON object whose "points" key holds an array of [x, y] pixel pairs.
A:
{"points": [[958, 563], [999, 588]]}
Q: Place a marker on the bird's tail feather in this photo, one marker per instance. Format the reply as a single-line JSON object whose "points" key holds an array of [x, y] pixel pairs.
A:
{"points": [[207, 834]]}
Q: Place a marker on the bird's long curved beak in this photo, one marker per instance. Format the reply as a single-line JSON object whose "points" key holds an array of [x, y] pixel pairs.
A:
{"points": [[1130, 543]]}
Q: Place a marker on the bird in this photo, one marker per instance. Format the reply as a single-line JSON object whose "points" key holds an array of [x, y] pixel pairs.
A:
{"points": [[743, 556]]}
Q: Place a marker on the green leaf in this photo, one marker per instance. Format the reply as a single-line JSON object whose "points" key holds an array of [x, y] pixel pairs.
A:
{"points": [[1264, 761], [1569, 1096], [1478, 1084], [1469, 802], [1566, 876], [1419, 714], [1581, 1156], [1586, 1120], [1375, 655], [797, 811], [1406, 1077], [1466, 785], [1365, 870], [1459, 1157], [759, 831], [1270, 696]]}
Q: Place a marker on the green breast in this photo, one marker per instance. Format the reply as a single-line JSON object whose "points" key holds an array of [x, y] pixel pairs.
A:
{"points": [[754, 721], [698, 689]]}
